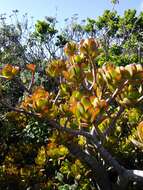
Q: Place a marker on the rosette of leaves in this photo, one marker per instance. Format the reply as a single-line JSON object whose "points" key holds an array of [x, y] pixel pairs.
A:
{"points": [[38, 101], [127, 78], [74, 73], [89, 47], [9, 71], [56, 67], [86, 108], [70, 49]]}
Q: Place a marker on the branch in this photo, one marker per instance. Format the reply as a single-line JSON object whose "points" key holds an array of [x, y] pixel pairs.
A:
{"points": [[135, 175], [19, 110], [93, 73], [117, 91], [104, 153], [31, 82], [100, 174], [136, 143], [140, 99], [109, 100], [133, 29], [56, 98]]}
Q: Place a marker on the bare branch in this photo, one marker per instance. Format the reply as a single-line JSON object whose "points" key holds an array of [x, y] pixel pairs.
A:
{"points": [[19, 110], [31, 82], [100, 174]]}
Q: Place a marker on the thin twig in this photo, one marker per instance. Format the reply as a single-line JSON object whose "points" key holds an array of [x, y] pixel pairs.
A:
{"points": [[31, 82], [93, 73], [19, 110], [56, 98]]}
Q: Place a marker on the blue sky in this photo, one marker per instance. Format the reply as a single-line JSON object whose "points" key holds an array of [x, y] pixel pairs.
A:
{"points": [[65, 8]]}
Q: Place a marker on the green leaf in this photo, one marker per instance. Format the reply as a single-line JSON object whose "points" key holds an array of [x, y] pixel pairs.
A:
{"points": [[86, 102], [80, 110]]}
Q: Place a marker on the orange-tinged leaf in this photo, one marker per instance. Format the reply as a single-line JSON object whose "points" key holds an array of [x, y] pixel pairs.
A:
{"points": [[98, 92], [89, 47], [73, 107], [129, 69], [86, 102], [77, 94], [51, 145], [66, 75], [40, 103], [70, 48], [56, 67], [139, 67], [80, 108], [9, 71], [140, 131], [72, 100], [94, 101], [31, 67], [44, 111], [103, 103], [15, 70], [93, 112], [40, 93], [27, 103]]}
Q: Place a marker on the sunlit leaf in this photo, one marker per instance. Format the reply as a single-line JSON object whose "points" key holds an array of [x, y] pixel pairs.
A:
{"points": [[86, 102], [140, 131], [9, 71], [31, 67]]}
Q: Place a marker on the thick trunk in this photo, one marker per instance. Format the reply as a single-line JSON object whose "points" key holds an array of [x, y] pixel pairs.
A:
{"points": [[99, 172]]}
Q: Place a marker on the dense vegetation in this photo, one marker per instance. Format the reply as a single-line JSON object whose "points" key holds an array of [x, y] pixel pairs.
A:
{"points": [[71, 103]]}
